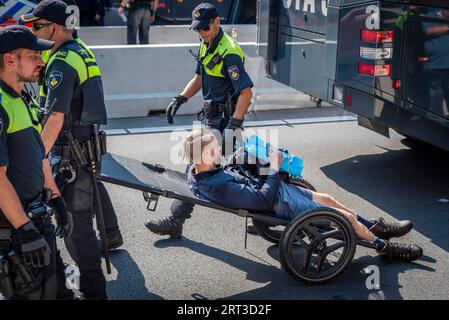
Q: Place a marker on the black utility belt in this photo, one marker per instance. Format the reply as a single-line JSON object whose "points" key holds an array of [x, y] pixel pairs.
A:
{"points": [[65, 151], [211, 109], [215, 107], [85, 152]]}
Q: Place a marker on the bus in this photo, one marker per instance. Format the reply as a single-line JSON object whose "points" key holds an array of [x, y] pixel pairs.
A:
{"points": [[385, 61]]}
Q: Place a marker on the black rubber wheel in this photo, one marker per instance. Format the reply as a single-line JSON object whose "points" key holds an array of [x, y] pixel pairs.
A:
{"points": [[317, 246], [273, 233], [301, 182]]}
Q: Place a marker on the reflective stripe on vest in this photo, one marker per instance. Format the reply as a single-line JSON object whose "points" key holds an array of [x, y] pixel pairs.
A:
{"points": [[18, 115], [82, 60], [226, 46]]}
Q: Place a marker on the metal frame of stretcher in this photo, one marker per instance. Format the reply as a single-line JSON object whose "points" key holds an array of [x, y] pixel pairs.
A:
{"points": [[155, 181], [133, 174]]}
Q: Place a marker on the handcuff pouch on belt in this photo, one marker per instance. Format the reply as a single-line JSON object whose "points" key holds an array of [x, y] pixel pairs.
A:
{"points": [[68, 174]]}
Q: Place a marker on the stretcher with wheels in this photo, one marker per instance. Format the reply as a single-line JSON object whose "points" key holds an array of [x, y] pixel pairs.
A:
{"points": [[314, 247]]}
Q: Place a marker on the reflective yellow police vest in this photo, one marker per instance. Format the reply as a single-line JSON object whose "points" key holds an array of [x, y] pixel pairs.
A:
{"points": [[20, 115], [226, 46], [45, 55], [83, 61]]}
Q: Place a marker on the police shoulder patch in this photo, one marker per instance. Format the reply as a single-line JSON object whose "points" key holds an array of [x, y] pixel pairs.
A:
{"points": [[55, 79], [234, 72]]}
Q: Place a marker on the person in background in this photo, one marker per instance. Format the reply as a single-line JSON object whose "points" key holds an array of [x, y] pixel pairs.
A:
{"points": [[142, 13]]}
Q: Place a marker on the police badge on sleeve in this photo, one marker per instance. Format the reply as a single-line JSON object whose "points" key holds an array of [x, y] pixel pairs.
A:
{"points": [[234, 72], [55, 79]]}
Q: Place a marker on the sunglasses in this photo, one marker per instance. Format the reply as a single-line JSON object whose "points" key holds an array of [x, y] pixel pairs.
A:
{"points": [[207, 28], [38, 26], [202, 29]]}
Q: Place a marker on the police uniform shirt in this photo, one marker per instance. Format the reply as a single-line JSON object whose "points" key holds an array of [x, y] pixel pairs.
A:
{"points": [[63, 86], [234, 80], [21, 148]]}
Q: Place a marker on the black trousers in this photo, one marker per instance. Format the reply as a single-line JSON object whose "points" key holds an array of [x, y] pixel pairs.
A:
{"points": [[139, 23], [82, 245], [45, 277]]}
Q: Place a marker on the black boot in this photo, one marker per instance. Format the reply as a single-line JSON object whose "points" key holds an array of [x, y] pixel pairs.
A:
{"points": [[387, 230], [166, 226], [115, 241], [406, 252]]}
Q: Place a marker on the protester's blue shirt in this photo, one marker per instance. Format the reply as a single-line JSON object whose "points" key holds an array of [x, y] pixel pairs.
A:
{"points": [[233, 190]]}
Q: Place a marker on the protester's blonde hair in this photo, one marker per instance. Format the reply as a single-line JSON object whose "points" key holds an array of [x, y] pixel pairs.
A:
{"points": [[195, 142]]}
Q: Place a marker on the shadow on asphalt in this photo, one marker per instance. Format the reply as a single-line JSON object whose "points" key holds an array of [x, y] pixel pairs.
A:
{"points": [[349, 285], [406, 184], [130, 277], [259, 272]]}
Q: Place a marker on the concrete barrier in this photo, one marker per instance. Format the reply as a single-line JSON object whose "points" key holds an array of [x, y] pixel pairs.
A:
{"points": [[142, 79]]}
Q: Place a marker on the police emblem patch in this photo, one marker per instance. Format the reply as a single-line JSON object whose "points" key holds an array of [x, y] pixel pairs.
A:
{"points": [[55, 79], [196, 14], [234, 72]]}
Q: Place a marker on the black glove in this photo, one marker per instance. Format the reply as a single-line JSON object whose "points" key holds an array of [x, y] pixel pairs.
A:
{"points": [[33, 246], [173, 107], [63, 217], [235, 124]]}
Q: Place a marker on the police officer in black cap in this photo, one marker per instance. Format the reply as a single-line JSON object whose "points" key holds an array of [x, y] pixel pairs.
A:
{"points": [[226, 87], [113, 234], [75, 104], [28, 191]]}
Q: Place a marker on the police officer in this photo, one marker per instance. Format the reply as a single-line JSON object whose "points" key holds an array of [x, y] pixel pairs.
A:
{"points": [[28, 190], [74, 96], [226, 87], [114, 236]]}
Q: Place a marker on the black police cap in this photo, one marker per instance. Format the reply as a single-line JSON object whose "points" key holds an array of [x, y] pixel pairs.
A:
{"points": [[20, 37], [52, 10], [202, 15]]}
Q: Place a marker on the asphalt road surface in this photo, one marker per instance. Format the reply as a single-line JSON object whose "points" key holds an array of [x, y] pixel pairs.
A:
{"points": [[373, 175]]}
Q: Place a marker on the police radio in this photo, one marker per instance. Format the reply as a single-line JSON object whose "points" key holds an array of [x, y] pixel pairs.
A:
{"points": [[216, 59]]}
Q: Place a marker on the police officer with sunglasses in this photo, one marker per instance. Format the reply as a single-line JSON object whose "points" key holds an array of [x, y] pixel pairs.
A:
{"points": [[73, 97]]}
